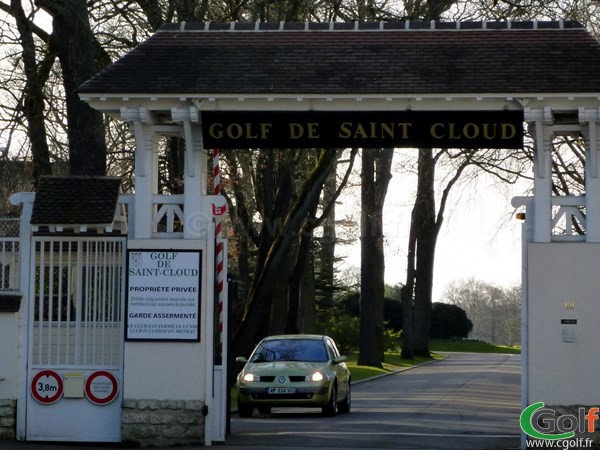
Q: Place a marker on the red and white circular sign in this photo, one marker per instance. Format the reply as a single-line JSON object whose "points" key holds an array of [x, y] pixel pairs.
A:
{"points": [[101, 387], [47, 387]]}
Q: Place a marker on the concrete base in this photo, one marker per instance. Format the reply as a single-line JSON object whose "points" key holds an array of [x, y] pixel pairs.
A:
{"points": [[162, 423], [8, 410]]}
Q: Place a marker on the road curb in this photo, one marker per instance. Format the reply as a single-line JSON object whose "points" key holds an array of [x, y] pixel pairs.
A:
{"points": [[403, 369]]}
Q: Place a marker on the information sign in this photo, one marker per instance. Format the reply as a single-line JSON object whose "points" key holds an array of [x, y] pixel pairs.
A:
{"points": [[101, 387], [163, 295]]}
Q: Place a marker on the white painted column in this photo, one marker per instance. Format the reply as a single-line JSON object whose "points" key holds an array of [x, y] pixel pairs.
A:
{"points": [[539, 121], [526, 238], [589, 119], [197, 215], [26, 199], [146, 176]]}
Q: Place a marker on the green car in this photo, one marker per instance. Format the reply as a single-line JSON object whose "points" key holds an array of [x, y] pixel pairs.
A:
{"points": [[294, 370]]}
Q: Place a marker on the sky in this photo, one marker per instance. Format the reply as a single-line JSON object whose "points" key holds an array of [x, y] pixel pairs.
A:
{"points": [[480, 237]]}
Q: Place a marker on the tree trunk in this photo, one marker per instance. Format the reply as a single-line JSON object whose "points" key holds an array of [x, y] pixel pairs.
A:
{"points": [[33, 104], [298, 272], [376, 174], [326, 259], [407, 292], [407, 297], [308, 307], [422, 241], [278, 319], [245, 234], [153, 13], [81, 57], [423, 294], [171, 176]]}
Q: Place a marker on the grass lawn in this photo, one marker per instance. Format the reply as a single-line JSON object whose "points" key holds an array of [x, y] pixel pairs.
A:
{"points": [[393, 361], [470, 345]]}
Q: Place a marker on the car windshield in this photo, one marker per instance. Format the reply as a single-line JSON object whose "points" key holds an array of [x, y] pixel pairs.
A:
{"points": [[307, 350]]}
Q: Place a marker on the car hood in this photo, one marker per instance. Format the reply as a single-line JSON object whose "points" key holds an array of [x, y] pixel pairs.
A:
{"points": [[299, 367]]}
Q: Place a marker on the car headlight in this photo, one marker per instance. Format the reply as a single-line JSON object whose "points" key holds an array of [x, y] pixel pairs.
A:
{"points": [[317, 376], [249, 377]]}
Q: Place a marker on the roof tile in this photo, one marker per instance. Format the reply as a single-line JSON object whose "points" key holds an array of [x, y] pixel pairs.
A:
{"points": [[85, 200], [360, 58]]}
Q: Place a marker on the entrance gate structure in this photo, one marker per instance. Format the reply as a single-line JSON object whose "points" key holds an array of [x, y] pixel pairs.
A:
{"points": [[73, 272], [76, 338], [216, 84]]}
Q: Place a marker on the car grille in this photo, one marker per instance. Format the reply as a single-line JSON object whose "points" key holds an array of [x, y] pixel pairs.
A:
{"points": [[293, 378], [267, 378]]}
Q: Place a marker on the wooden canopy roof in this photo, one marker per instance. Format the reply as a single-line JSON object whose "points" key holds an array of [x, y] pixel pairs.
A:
{"points": [[206, 59]]}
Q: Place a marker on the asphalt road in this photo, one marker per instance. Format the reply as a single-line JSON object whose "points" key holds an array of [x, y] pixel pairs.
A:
{"points": [[467, 401]]}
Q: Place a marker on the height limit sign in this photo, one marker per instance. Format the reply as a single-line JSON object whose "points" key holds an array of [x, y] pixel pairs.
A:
{"points": [[47, 387]]}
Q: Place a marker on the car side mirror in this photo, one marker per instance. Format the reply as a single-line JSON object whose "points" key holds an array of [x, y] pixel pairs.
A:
{"points": [[241, 359], [339, 359]]}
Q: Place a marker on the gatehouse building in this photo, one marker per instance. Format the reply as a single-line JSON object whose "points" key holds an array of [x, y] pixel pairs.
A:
{"points": [[108, 316]]}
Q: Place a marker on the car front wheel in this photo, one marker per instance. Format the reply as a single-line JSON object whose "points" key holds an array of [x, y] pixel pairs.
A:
{"points": [[330, 407], [344, 405]]}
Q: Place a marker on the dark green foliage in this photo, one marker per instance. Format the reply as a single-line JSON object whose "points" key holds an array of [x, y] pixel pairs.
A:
{"points": [[449, 322], [391, 339], [392, 313], [344, 330], [349, 303]]}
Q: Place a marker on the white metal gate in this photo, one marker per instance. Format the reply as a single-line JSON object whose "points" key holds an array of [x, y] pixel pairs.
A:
{"points": [[75, 340]]}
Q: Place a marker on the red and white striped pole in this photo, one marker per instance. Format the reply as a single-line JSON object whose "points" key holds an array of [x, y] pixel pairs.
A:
{"points": [[220, 269]]}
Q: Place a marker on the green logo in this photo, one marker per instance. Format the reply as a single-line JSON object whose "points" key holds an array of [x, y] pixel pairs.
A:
{"points": [[540, 423]]}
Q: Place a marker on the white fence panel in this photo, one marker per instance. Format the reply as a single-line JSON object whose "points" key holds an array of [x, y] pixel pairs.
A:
{"points": [[78, 302], [76, 333], [9, 254]]}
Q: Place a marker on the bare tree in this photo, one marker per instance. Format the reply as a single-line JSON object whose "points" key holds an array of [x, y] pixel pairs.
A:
{"points": [[36, 74], [81, 57], [495, 311], [270, 258]]}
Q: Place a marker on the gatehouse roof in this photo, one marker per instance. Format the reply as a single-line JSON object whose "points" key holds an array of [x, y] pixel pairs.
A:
{"points": [[205, 59], [70, 200]]}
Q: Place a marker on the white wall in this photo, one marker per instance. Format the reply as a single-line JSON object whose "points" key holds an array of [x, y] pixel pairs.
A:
{"points": [[564, 373], [8, 356], [163, 371]]}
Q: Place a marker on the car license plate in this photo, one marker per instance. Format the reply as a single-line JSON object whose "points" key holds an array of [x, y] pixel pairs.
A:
{"points": [[281, 390]]}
